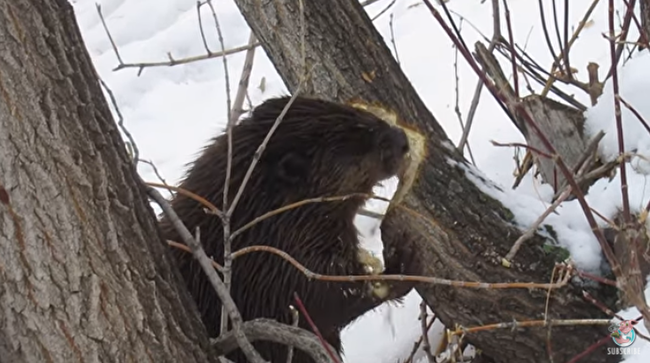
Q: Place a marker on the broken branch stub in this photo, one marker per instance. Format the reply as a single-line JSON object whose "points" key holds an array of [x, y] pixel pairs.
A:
{"points": [[563, 125]]}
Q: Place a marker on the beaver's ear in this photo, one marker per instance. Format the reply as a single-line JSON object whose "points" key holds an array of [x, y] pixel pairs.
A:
{"points": [[293, 168]]}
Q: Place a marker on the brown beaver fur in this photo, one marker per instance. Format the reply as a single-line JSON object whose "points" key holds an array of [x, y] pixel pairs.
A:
{"points": [[320, 149]]}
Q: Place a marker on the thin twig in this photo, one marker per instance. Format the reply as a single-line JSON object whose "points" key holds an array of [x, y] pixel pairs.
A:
{"points": [[299, 204], [532, 323], [108, 33], [426, 346], [621, 38], [304, 312], [175, 62], [203, 38], [557, 34], [295, 318], [457, 106], [531, 231], [617, 113], [417, 344], [238, 103], [523, 146], [390, 5], [513, 52], [206, 264], [496, 34], [225, 218], [569, 73], [546, 35], [155, 170], [567, 47], [369, 2], [643, 37], [209, 206], [636, 113], [120, 123], [400, 278], [392, 38], [262, 147]]}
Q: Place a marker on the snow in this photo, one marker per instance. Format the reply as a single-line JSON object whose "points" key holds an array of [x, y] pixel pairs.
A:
{"points": [[173, 111]]}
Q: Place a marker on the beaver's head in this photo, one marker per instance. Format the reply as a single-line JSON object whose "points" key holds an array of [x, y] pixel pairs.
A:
{"points": [[320, 148]]}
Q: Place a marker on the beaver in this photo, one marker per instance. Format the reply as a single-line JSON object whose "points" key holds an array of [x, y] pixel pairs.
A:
{"points": [[320, 148]]}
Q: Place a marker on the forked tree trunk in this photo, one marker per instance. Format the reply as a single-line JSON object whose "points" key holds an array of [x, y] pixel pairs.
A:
{"points": [[83, 273], [465, 231]]}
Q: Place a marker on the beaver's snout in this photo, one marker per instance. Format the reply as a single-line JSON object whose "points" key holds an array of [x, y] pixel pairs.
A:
{"points": [[394, 147], [399, 140]]}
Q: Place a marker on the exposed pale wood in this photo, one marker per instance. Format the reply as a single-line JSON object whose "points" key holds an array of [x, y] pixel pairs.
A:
{"points": [[563, 126], [463, 231], [83, 273]]}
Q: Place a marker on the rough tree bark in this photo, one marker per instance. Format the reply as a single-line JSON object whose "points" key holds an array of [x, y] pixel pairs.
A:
{"points": [[83, 273], [465, 231]]}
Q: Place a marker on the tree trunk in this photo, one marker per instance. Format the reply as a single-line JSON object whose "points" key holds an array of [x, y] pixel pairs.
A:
{"points": [[84, 276], [462, 232]]}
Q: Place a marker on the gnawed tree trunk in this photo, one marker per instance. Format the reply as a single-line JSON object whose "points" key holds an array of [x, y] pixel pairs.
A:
{"points": [[83, 273], [463, 231]]}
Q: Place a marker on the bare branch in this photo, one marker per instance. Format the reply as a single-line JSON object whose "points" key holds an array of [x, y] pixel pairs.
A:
{"points": [[238, 104], [206, 265], [496, 35], [175, 62], [273, 331]]}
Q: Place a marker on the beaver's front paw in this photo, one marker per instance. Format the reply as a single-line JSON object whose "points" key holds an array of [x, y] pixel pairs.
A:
{"points": [[401, 255], [373, 266]]}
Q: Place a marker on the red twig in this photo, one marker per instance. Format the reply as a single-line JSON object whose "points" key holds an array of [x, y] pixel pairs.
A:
{"points": [[635, 112], [546, 36], [590, 350], [600, 305], [596, 278], [617, 113], [627, 19], [565, 52], [527, 147], [643, 38], [643, 122], [313, 326]]}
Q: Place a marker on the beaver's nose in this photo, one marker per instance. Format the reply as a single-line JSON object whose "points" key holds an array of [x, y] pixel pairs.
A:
{"points": [[399, 141]]}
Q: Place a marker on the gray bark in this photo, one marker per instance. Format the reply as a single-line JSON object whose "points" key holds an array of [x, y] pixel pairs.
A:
{"points": [[463, 231], [83, 272]]}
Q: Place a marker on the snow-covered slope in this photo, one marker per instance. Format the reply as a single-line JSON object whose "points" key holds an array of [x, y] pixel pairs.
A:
{"points": [[173, 111]]}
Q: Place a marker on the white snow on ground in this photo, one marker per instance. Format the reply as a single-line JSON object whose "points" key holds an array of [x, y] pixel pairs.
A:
{"points": [[173, 111]]}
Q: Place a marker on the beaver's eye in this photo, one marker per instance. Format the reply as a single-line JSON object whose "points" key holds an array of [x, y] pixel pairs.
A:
{"points": [[292, 168]]}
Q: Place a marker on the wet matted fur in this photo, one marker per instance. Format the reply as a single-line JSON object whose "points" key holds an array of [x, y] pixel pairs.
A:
{"points": [[320, 149]]}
